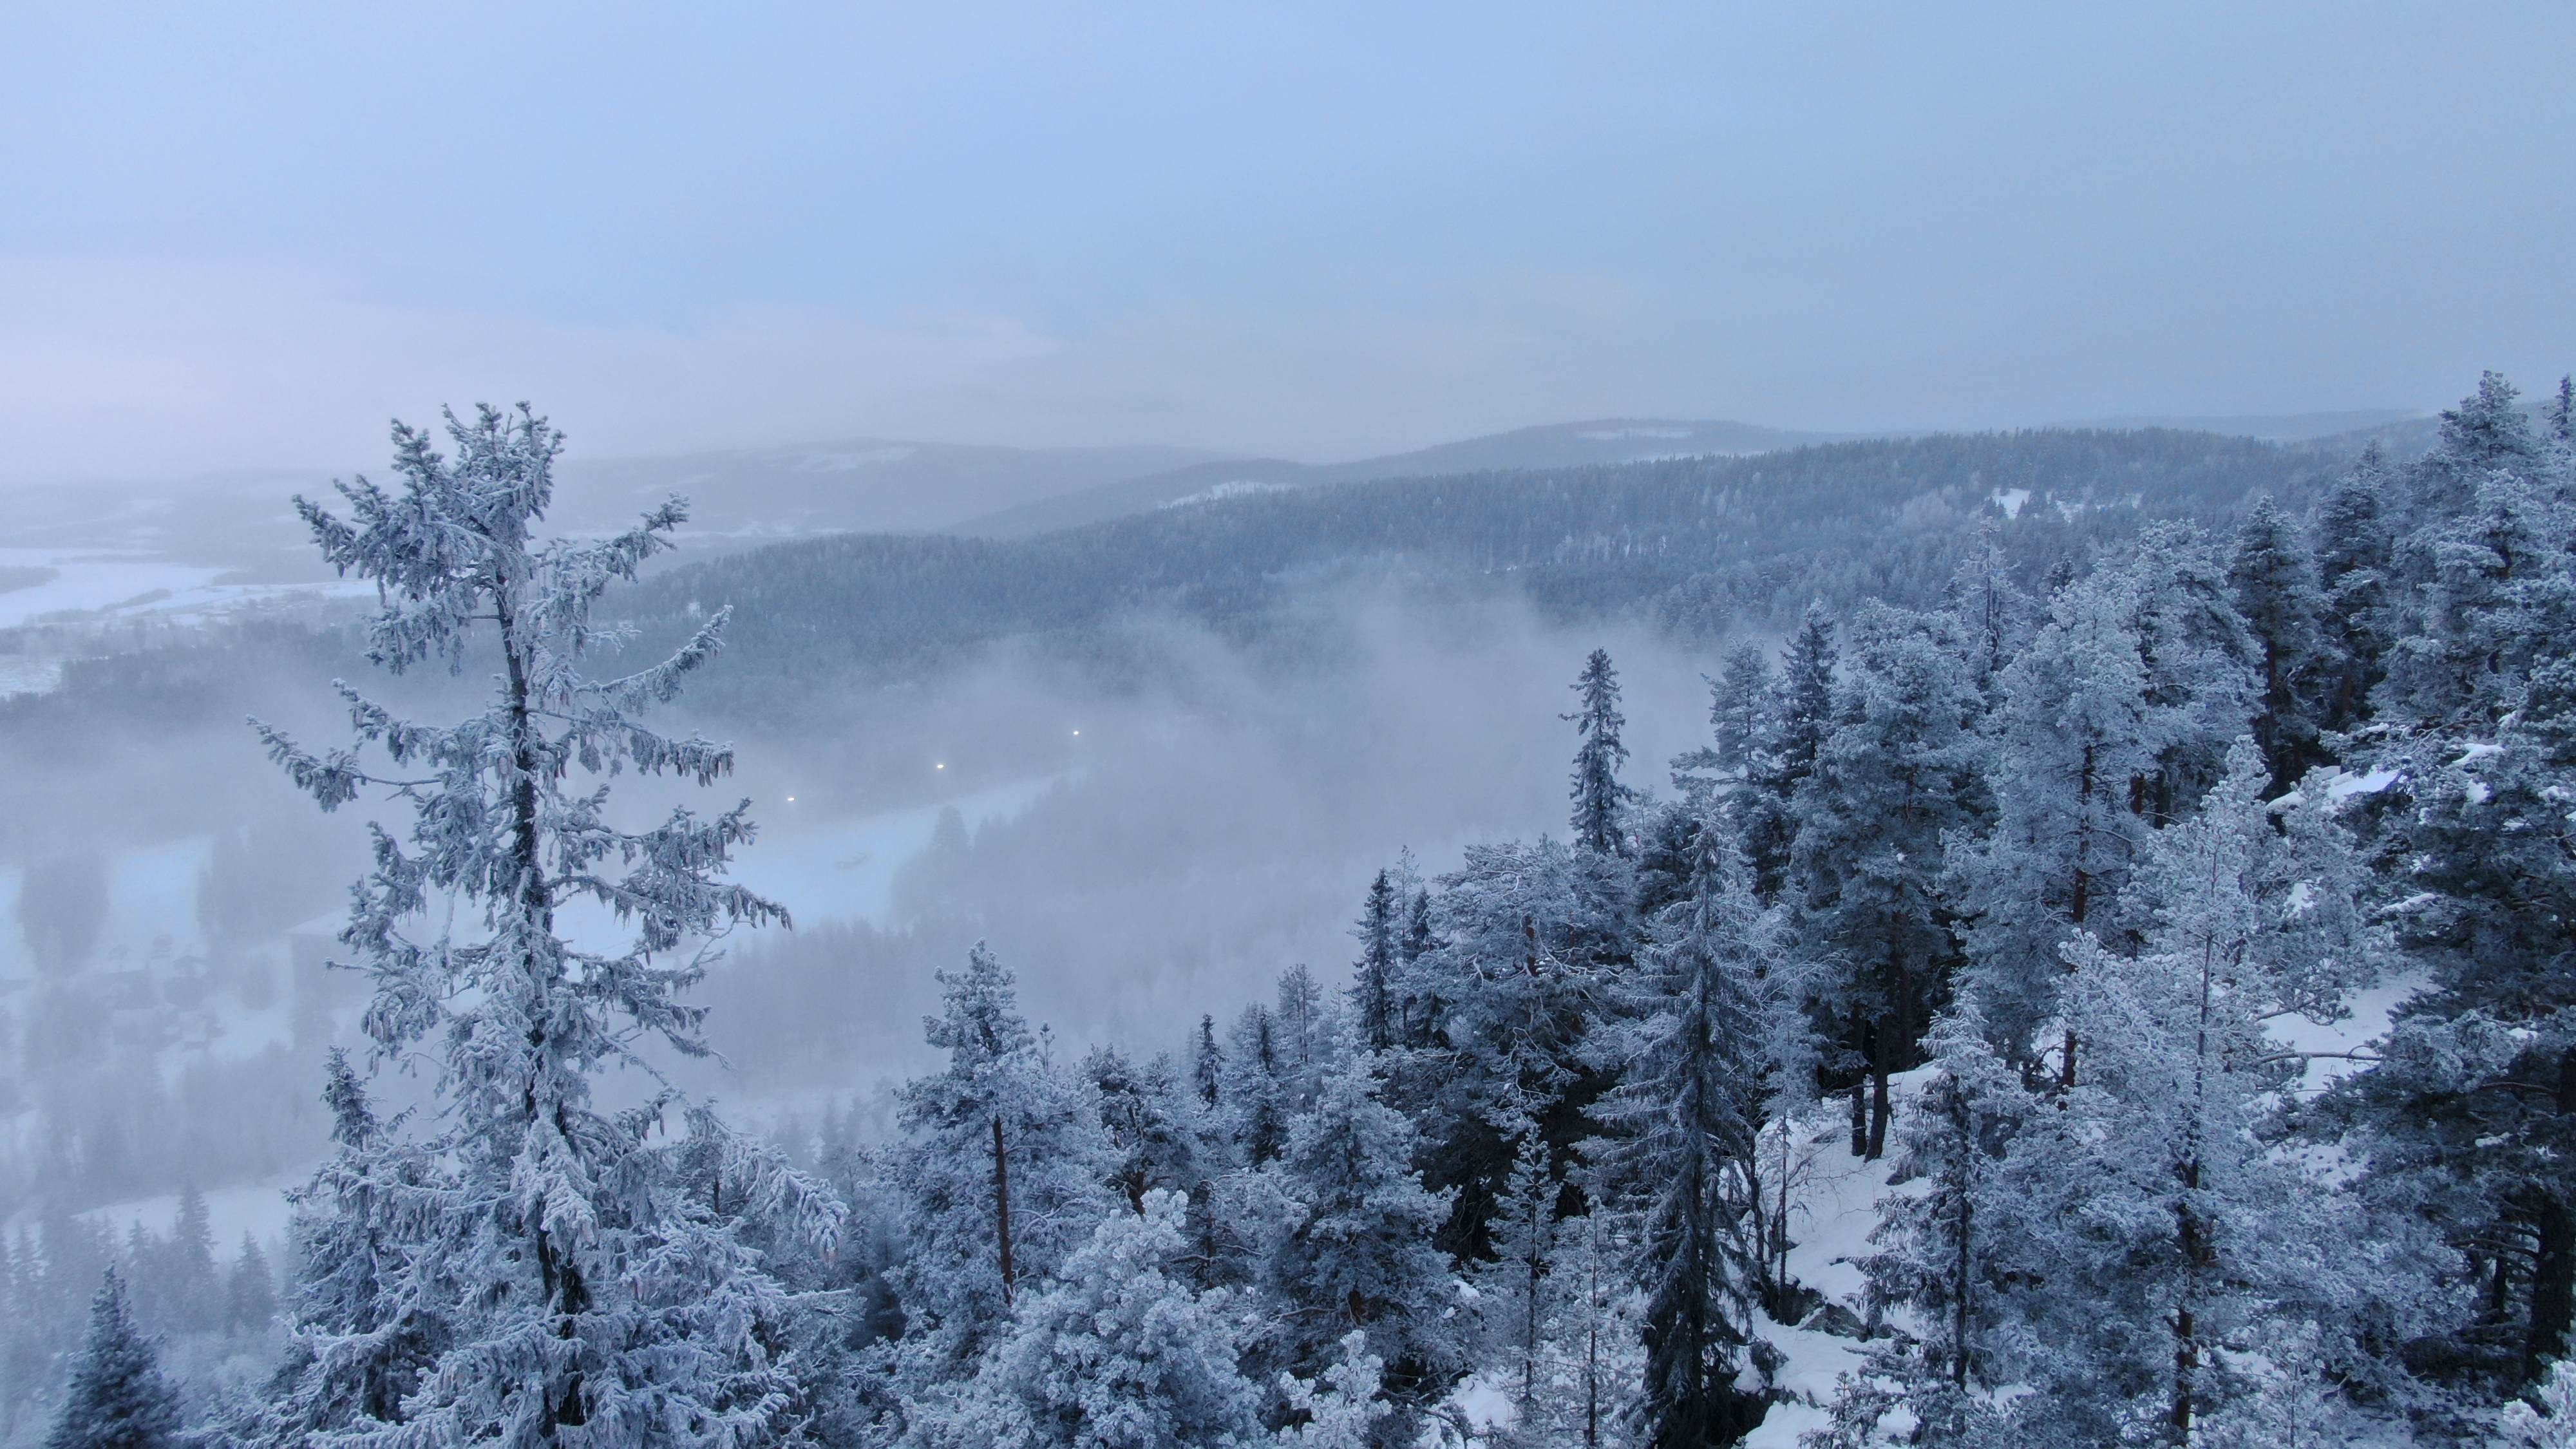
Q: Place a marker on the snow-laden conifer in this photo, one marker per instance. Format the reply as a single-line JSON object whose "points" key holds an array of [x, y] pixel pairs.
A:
{"points": [[1145, 1117], [1937, 1258], [1342, 1409], [117, 1398], [1516, 1291], [1536, 942], [1739, 701], [2073, 743], [2354, 538], [1892, 784], [1258, 1094], [1354, 1250], [1800, 717], [2152, 1238], [1692, 1104], [1000, 1173], [1118, 1351], [592, 1302], [1600, 801], [372, 1306], [2469, 1118], [1373, 975], [2276, 591]]}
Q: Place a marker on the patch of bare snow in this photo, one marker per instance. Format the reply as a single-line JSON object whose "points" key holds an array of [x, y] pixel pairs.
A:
{"points": [[1238, 488], [1833, 1208]]}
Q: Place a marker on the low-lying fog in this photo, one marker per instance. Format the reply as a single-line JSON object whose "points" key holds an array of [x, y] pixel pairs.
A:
{"points": [[1138, 851]]}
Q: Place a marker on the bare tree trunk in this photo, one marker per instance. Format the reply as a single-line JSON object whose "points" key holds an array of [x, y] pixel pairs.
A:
{"points": [[1002, 1207], [1963, 1181], [2196, 1258], [1878, 1107], [2553, 1274]]}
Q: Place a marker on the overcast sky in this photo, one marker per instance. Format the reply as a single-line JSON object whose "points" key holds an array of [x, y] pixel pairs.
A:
{"points": [[244, 234]]}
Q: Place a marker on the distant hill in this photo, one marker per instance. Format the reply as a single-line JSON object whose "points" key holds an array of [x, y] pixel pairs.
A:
{"points": [[1558, 445], [746, 497], [1699, 545], [865, 485]]}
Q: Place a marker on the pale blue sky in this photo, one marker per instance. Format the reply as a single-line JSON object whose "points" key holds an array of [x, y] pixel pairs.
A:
{"points": [[236, 235]]}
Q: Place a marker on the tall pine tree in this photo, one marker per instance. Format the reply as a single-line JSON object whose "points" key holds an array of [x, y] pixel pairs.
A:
{"points": [[1600, 801], [595, 1302], [1693, 1105]]}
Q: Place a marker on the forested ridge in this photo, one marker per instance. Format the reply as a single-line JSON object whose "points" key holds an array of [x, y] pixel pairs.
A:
{"points": [[2169, 896], [1699, 544]]}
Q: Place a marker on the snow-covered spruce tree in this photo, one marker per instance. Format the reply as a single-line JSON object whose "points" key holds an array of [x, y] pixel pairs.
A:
{"points": [[1419, 935], [1600, 801], [2275, 591], [117, 1398], [1692, 1104], [1145, 1119], [1354, 1251], [2152, 1239], [58, 1263], [1118, 1351], [1000, 1174], [595, 1302], [2071, 746], [1310, 1036], [2469, 1121], [188, 1293], [250, 1290], [2353, 541], [1344, 1412], [1893, 782], [1739, 700], [1554, 1308], [1373, 975], [1800, 716], [2487, 433], [1207, 1064], [796, 1223], [1515, 1292], [1595, 1328], [1537, 942], [1257, 1091], [1991, 614], [371, 1309], [2199, 662]]}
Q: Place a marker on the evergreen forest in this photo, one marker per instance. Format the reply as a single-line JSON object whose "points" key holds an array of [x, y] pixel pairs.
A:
{"points": [[2100, 975]]}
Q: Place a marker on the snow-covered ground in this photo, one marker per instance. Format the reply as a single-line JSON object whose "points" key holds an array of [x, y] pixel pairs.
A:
{"points": [[90, 581], [1834, 1206]]}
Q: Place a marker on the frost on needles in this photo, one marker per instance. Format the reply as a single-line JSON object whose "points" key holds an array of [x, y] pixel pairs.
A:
{"points": [[535, 1269]]}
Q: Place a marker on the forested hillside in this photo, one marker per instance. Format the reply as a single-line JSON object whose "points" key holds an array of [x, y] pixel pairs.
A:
{"points": [[1701, 545]]}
